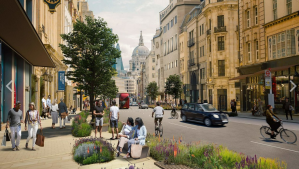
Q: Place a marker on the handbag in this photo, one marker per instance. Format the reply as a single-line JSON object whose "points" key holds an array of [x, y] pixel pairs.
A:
{"points": [[63, 115], [4, 140], [8, 135], [40, 139], [136, 150]]}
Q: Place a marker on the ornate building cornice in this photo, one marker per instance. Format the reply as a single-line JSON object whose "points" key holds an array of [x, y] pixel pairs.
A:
{"points": [[280, 20]]}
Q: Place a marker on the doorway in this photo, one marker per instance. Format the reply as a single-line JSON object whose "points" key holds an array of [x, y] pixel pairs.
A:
{"points": [[222, 99]]}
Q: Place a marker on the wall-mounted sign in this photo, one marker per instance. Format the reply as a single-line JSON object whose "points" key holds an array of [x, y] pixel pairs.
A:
{"points": [[52, 5], [61, 80]]}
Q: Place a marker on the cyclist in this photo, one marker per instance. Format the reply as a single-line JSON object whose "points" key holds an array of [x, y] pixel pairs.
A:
{"points": [[159, 112], [173, 107], [271, 121]]}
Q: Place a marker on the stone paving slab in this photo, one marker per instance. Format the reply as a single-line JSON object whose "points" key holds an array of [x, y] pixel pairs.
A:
{"points": [[57, 152]]}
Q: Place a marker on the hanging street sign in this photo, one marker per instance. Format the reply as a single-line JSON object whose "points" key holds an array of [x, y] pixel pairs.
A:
{"points": [[61, 80], [268, 81], [294, 86], [52, 5]]}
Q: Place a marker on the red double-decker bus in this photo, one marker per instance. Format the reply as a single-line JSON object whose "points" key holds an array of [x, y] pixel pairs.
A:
{"points": [[124, 101]]}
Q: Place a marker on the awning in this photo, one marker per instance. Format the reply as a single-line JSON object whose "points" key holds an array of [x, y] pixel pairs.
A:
{"points": [[275, 69], [18, 33], [241, 77]]}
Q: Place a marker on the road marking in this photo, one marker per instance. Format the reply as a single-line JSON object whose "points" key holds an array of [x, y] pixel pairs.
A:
{"points": [[275, 147], [182, 126]]}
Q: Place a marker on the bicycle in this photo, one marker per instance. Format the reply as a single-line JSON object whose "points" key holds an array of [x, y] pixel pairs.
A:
{"points": [[285, 134], [159, 130], [174, 114]]}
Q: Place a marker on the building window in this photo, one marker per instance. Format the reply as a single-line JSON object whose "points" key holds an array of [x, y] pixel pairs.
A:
{"points": [[210, 45], [172, 44], [283, 43], [220, 43], [210, 24], [249, 52], [172, 65], [210, 96], [168, 26], [220, 22], [257, 49], [168, 46], [289, 6], [202, 28], [153, 59], [219, 0], [176, 42], [256, 14], [275, 9], [172, 23], [200, 52], [202, 73], [153, 68], [175, 19], [221, 67], [164, 29], [248, 18], [164, 48], [278, 46], [274, 47], [203, 50], [210, 69]]}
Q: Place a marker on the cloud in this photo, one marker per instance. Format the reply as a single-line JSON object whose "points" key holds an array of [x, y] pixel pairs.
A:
{"points": [[127, 18]]}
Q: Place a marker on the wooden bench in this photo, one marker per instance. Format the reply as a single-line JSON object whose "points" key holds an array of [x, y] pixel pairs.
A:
{"points": [[144, 153]]}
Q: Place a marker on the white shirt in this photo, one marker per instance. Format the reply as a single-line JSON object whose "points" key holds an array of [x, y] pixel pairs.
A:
{"points": [[138, 131], [54, 107], [44, 103], [114, 112], [127, 129]]}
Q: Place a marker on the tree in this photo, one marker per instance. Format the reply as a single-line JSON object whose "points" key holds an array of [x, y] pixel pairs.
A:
{"points": [[152, 90], [173, 86], [89, 51], [110, 91]]}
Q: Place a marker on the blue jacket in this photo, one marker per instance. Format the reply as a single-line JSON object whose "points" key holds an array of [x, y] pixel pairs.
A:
{"points": [[142, 134]]}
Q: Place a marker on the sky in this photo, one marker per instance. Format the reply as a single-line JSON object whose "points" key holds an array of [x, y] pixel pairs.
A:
{"points": [[127, 18]]}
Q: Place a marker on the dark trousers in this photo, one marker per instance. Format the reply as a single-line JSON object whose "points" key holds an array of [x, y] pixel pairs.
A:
{"points": [[287, 112]]}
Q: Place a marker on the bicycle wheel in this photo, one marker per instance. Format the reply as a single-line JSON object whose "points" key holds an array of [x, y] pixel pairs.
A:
{"points": [[265, 132], [288, 136], [161, 130]]}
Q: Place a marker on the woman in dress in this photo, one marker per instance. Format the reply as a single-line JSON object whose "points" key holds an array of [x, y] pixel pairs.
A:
{"points": [[54, 113], [125, 134], [139, 137], [274, 124], [32, 118]]}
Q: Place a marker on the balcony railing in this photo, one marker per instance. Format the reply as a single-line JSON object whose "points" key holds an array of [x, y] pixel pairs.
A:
{"points": [[209, 32], [191, 62], [220, 29], [191, 42]]}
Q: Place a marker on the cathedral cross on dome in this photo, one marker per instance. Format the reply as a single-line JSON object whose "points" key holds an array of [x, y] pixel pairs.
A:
{"points": [[141, 39]]}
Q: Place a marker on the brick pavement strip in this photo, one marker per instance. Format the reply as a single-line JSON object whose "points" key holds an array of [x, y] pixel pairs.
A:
{"points": [[57, 152]]}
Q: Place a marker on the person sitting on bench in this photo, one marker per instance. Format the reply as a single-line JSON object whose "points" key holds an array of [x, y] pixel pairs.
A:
{"points": [[139, 135], [125, 134]]}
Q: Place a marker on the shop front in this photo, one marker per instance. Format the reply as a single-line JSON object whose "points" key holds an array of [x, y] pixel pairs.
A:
{"points": [[18, 56]]}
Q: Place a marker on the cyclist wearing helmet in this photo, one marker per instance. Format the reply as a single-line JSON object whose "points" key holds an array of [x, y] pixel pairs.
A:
{"points": [[159, 112]]}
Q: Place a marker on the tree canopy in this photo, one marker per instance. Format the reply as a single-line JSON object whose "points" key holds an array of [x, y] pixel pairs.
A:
{"points": [[173, 86], [152, 90], [89, 51]]}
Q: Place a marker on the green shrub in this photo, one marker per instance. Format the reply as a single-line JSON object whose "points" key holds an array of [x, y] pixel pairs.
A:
{"points": [[206, 156], [80, 127]]}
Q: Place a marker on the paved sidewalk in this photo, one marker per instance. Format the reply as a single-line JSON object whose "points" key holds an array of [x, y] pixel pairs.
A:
{"points": [[282, 117], [57, 152]]}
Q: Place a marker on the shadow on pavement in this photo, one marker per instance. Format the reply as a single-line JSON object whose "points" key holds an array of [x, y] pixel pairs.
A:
{"points": [[203, 125], [269, 140]]}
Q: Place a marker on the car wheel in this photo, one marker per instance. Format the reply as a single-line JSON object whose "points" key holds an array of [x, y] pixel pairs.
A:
{"points": [[184, 118], [208, 122]]}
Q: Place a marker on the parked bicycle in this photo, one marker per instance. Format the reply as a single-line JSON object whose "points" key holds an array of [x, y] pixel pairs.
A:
{"points": [[286, 135]]}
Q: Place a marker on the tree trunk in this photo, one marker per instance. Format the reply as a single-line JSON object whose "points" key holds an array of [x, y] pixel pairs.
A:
{"points": [[92, 104]]}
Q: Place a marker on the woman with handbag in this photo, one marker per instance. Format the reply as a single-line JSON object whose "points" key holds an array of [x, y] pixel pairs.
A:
{"points": [[139, 137], [63, 112], [54, 113], [32, 118], [125, 134]]}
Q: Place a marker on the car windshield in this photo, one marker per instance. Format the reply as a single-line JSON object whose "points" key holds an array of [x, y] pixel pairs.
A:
{"points": [[208, 107]]}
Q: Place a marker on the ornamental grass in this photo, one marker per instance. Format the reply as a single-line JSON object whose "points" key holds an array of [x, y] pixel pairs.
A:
{"points": [[196, 155], [80, 127], [92, 150]]}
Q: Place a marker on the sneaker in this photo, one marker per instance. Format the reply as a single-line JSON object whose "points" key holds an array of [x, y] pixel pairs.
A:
{"points": [[14, 149], [17, 148], [273, 137]]}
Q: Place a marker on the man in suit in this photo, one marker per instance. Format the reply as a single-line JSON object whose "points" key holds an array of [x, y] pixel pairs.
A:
{"points": [[62, 110]]}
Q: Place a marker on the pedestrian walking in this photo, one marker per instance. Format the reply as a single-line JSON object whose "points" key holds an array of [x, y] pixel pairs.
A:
{"points": [[44, 105], [32, 118], [14, 120], [63, 112], [113, 118], [99, 113], [54, 113], [287, 108], [49, 106]]}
